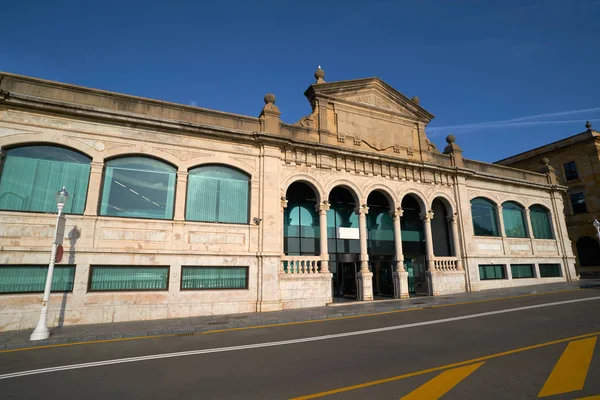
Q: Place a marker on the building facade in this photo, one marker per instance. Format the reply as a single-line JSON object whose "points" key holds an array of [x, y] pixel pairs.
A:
{"points": [[179, 211], [576, 160]]}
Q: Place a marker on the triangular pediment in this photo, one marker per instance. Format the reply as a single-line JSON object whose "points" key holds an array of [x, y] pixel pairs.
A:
{"points": [[370, 93]]}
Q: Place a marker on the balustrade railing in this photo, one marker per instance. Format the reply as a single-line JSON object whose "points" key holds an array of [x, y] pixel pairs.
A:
{"points": [[300, 264], [445, 263]]}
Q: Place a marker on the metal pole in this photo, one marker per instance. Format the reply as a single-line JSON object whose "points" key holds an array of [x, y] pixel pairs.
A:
{"points": [[41, 331]]}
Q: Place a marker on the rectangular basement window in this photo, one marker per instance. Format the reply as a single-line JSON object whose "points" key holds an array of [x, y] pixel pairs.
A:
{"points": [[32, 278], [128, 278], [488, 272], [213, 278], [522, 271], [550, 271]]}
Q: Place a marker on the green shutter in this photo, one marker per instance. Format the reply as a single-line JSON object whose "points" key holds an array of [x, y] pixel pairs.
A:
{"points": [[117, 278], [32, 278], [214, 278]]}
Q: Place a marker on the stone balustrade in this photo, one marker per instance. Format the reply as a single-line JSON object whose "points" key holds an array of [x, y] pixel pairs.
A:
{"points": [[300, 264], [445, 264]]}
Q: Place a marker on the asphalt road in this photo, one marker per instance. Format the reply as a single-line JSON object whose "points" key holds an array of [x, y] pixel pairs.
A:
{"points": [[520, 348]]}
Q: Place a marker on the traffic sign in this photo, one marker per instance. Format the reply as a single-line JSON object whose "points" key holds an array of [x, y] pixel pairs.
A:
{"points": [[59, 253]]}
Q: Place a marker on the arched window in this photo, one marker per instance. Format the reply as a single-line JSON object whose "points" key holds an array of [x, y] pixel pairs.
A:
{"points": [[217, 193], [514, 220], [138, 187], [588, 252], [485, 217], [540, 222], [32, 175]]}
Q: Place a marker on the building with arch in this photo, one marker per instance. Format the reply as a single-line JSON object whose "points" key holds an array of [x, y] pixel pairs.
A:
{"points": [[178, 211], [576, 162]]}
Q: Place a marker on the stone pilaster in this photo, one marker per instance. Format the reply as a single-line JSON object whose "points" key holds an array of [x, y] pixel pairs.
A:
{"points": [[180, 196], [94, 188], [455, 241]]}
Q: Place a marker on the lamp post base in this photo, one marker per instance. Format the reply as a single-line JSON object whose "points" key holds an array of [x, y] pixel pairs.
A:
{"points": [[40, 334]]}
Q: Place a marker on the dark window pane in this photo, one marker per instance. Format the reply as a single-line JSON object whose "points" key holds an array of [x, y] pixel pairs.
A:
{"points": [[485, 219], [549, 270], [522, 271], [488, 272], [578, 203], [571, 171], [514, 220], [540, 222], [588, 251]]}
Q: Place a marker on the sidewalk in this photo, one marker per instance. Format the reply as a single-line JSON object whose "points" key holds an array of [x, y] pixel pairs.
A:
{"points": [[187, 326]]}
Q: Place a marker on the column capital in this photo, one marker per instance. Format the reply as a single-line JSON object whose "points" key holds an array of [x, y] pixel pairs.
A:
{"points": [[427, 216], [284, 203], [452, 218], [397, 213], [323, 206], [363, 209], [96, 167]]}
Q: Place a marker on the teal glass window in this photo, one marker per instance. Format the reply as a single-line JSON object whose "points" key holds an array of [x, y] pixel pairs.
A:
{"points": [[118, 278], [550, 271], [32, 278], [32, 175], [485, 217], [196, 278], [138, 187], [380, 228], [488, 272], [217, 193], [514, 220], [522, 271], [540, 222]]}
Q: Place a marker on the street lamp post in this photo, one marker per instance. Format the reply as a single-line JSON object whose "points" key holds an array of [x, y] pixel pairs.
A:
{"points": [[41, 330], [597, 226]]}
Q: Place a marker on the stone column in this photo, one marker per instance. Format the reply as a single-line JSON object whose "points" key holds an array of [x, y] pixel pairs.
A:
{"points": [[323, 208], [400, 276], [457, 253], [180, 196], [365, 277], [94, 188], [530, 235], [501, 222], [427, 217]]}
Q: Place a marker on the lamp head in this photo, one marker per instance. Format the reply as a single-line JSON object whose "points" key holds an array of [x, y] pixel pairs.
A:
{"points": [[61, 197], [596, 224]]}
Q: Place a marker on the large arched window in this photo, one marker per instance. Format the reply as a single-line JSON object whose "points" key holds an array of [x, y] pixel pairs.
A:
{"points": [[138, 187], [514, 220], [588, 252], [32, 175], [485, 217], [217, 193], [540, 222]]}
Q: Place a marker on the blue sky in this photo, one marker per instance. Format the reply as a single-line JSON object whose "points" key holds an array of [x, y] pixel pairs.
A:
{"points": [[472, 63]]}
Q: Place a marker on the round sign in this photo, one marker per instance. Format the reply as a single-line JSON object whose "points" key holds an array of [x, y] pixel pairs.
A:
{"points": [[59, 253]]}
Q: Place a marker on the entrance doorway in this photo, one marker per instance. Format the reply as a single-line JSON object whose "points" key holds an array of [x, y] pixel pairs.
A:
{"points": [[383, 268], [417, 279]]}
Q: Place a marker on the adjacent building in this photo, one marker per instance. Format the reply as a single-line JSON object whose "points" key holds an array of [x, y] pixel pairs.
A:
{"points": [[179, 211], [576, 160]]}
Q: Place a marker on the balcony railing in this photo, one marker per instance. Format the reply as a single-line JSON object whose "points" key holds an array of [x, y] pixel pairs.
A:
{"points": [[445, 263], [300, 264]]}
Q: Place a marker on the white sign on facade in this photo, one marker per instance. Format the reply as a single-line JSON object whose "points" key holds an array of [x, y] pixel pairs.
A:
{"points": [[348, 233]]}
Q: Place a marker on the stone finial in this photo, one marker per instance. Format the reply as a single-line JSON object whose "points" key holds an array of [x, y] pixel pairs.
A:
{"points": [[320, 75], [549, 171], [416, 100], [545, 161], [454, 151], [269, 98], [588, 126]]}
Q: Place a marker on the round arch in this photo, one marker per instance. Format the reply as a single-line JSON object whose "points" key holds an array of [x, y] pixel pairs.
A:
{"points": [[352, 188], [170, 161], [76, 147], [451, 208], [588, 251], [514, 202], [386, 191], [418, 196], [309, 181]]}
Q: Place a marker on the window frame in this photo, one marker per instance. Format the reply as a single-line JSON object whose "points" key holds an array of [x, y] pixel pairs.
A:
{"points": [[550, 222], [73, 266], [557, 265], [234, 168], [526, 233], [532, 267], [247, 277], [582, 193], [91, 274], [4, 156], [570, 168], [502, 267], [495, 213], [125, 156]]}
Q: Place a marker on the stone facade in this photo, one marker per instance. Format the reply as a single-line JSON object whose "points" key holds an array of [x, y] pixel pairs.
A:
{"points": [[361, 135], [582, 150]]}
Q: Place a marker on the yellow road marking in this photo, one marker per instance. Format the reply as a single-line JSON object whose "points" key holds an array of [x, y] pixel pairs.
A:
{"points": [[596, 397], [570, 371], [287, 323], [443, 367], [441, 384]]}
